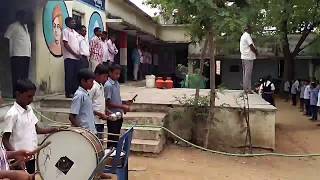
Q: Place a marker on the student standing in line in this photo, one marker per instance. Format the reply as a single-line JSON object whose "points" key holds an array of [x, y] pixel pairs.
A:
{"points": [[302, 89], [71, 55], [21, 124], [286, 90], [98, 99], [267, 90], [19, 43], [84, 46], [81, 114], [114, 103], [306, 98], [314, 91], [96, 49], [113, 51], [294, 92]]}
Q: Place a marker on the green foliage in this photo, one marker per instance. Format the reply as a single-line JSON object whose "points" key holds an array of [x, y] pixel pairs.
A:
{"points": [[202, 16], [204, 101]]}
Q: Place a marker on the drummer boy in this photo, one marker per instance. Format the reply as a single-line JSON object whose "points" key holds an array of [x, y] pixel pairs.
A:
{"points": [[98, 99], [21, 124]]}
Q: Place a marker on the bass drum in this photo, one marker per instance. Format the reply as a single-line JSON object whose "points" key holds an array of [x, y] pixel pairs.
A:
{"points": [[72, 155]]}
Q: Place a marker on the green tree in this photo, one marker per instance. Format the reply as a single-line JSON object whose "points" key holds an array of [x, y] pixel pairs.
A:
{"points": [[207, 20], [287, 17]]}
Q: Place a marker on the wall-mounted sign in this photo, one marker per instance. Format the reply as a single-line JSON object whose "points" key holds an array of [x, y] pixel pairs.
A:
{"points": [[100, 4], [54, 14], [95, 21]]}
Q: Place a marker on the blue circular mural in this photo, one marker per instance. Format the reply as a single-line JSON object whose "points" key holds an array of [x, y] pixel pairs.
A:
{"points": [[95, 21], [54, 14]]}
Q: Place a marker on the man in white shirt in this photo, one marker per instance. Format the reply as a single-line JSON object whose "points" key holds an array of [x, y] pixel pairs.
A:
{"points": [[20, 48], [104, 38], [248, 55], [71, 55], [286, 90], [113, 51], [84, 46]]}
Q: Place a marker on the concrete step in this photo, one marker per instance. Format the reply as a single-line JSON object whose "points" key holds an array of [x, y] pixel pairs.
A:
{"points": [[145, 133], [56, 102], [61, 102], [56, 114], [147, 146], [146, 118], [132, 118]]}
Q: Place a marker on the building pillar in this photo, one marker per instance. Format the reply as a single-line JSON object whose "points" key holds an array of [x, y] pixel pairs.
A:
{"points": [[124, 55]]}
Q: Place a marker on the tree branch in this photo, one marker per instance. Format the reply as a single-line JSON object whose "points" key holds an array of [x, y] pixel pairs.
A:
{"points": [[309, 44]]}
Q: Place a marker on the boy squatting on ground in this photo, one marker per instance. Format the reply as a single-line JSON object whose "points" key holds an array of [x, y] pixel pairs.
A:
{"points": [[115, 104], [21, 124]]}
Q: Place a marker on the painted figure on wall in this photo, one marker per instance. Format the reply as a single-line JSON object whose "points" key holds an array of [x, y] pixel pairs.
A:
{"points": [[57, 24], [53, 23]]}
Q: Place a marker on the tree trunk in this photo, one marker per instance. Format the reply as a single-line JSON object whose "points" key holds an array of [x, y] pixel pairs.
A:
{"points": [[212, 52], [202, 56]]}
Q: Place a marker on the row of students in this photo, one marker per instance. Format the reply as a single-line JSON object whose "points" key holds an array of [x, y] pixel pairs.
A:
{"points": [[97, 96]]}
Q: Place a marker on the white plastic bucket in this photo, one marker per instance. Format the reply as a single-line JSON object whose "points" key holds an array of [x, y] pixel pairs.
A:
{"points": [[150, 81]]}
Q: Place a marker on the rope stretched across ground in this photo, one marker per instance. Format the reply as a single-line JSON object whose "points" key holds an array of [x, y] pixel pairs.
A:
{"points": [[200, 147]]}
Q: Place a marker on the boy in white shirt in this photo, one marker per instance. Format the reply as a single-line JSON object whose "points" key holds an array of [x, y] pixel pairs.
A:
{"points": [[306, 98], [21, 125], [98, 98]]}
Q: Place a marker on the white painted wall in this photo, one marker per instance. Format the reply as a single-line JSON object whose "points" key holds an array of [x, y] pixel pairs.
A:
{"points": [[50, 69]]}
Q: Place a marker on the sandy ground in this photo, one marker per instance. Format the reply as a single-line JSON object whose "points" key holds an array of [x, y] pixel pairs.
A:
{"points": [[295, 134]]}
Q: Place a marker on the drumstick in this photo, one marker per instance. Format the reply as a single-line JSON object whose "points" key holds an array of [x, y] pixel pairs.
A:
{"points": [[34, 152]]}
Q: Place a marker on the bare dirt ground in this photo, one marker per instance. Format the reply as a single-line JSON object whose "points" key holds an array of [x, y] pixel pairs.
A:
{"points": [[295, 134]]}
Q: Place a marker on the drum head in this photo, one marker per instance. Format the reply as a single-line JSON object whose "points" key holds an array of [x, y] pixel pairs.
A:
{"points": [[70, 156]]}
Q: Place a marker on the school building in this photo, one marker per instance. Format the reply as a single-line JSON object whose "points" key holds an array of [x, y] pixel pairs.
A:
{"points": [[121, 17]]}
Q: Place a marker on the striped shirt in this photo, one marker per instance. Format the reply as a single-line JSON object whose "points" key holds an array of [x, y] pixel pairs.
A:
{"points": [[96, 49], [4, 166]]}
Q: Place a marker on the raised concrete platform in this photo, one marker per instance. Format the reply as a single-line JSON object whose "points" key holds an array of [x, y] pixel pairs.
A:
{"points": [[159, 107]]}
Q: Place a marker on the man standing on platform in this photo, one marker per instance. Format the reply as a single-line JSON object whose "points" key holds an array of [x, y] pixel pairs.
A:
{"points": [[71, 55], [20, 48], [113, 51], [84, 46], [248, 55], [96, 49]]}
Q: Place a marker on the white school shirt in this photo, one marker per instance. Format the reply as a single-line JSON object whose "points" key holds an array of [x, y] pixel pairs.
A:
{"points": [[307, 92], [21, 124], [295, 87], [318, 103], [98, 100], [105, 51], [286, 86], [83, 46], [19, 40], [71, 36], [113, 51], [246, 52]]}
